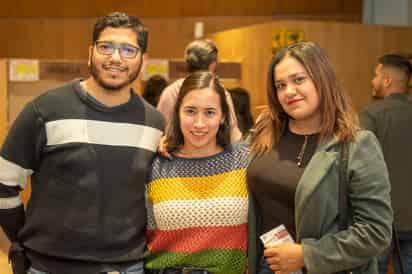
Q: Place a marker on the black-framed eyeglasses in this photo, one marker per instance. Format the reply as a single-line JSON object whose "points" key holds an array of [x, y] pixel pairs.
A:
{"points": [[125, 50]]}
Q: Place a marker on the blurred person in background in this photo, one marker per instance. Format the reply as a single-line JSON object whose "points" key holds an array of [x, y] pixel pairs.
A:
{"points": [[241, 102], [390, 120], [153, 89]]}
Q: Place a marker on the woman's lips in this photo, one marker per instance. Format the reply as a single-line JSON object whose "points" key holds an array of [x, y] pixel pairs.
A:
{"points": [[291, 102]]}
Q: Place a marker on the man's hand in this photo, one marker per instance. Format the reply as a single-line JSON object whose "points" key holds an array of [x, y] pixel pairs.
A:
{"points": [[162, 148]]}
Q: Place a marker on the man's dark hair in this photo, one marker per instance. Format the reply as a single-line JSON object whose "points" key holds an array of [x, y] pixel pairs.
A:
{"points": [[122, 20], [398, 62]]}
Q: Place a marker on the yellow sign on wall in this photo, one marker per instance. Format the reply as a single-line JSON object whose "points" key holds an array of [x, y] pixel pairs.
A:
{"points": [[23, 70], [156, 66], [284, 38]]}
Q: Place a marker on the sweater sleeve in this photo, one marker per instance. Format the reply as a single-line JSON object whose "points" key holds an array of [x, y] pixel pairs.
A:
{"points": [[18, 157]]}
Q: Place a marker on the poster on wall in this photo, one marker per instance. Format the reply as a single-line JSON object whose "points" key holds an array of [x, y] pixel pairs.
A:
{"points": [[23, 70], [156, 67], [286, 37]]}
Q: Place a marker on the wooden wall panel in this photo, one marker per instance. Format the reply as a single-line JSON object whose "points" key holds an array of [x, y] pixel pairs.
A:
{"points": [[90, 8], [352, 6], [56, 38], [254, 58], [156, 8], [297, 6], [229, 8], [393, 36], [174, 8], [3, 99], [318, 6], [20, 93], [35, 37], [352, 48]]}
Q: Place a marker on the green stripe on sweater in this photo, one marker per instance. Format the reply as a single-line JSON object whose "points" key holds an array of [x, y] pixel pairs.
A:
{"points": [[214, 260]]}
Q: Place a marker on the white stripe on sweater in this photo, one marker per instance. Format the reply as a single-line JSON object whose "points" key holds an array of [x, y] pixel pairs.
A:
{"points": [[8, 203], [226, 211], [12, 174], [103, 133]]}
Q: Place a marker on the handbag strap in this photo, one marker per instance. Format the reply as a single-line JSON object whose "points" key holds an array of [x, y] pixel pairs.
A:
{"points": [[343, 186], [343, 189]]}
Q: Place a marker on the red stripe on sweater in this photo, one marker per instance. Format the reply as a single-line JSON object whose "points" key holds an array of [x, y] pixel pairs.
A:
{"points": [[198, 238]]}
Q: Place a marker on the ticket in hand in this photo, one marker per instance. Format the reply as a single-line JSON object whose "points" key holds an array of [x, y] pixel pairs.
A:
{"points": [[278, 235]]}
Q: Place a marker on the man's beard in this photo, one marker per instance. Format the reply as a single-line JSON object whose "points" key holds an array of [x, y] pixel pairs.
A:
{"points": [[95, 73]]}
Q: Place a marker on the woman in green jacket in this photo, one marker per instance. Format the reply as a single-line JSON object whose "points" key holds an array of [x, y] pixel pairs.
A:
{"points": [[294, 178]]}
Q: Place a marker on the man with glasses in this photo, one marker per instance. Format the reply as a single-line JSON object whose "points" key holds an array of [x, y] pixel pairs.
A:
{"points": [[88, 147]]}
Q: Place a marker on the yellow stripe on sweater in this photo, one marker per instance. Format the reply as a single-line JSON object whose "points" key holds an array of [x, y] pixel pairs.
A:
{"points": [[228, 184]]}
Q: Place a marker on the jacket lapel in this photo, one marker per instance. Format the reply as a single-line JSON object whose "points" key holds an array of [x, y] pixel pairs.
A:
{"points": [[315, 171]]}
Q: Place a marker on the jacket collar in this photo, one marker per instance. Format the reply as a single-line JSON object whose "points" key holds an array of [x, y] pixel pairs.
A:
{"points": [[398, 96]]}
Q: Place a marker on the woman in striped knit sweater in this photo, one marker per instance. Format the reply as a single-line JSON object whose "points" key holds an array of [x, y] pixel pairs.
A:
{"points": [[198, 200]]}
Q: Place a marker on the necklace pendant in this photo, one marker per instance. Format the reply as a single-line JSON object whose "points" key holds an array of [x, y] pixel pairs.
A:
{"points": [[301, 153]]}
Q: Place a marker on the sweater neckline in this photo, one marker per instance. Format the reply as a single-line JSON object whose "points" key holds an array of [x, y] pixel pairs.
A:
{"points": [[94, 103], [224, 151]]}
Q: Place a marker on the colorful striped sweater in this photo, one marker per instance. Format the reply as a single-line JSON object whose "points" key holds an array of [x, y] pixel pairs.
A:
{"points": [[197, 212]]}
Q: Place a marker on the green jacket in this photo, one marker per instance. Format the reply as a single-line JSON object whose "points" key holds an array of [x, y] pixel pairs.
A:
{"points": [[326, 249]]}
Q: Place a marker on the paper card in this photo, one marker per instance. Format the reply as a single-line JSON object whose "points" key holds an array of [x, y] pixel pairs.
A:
{"points": [[278, 235]]}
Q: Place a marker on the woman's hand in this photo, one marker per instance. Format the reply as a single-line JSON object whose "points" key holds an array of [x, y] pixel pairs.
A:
{"points": [[284, 258]]}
